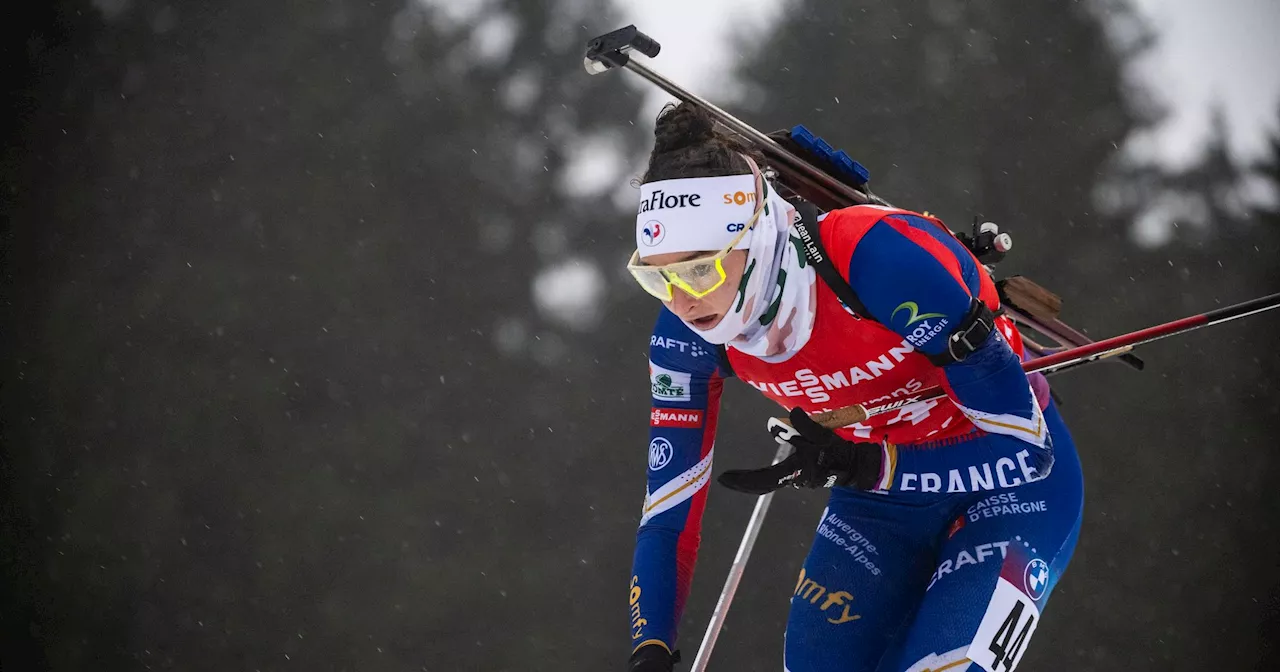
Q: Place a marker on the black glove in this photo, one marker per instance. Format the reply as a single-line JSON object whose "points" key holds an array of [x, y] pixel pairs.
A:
{"points": [[821, 459], [652, 658]]}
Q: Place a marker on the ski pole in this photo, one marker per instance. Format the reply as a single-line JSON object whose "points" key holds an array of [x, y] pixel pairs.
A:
{"points": [[613, 50], [1070, 359], [735, 572]]}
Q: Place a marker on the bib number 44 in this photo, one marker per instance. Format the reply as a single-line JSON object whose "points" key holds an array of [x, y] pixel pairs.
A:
{"points": [[1006, 629]]}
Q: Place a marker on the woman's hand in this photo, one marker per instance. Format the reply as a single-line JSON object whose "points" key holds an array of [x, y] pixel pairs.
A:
{"points": [[821, 459]]}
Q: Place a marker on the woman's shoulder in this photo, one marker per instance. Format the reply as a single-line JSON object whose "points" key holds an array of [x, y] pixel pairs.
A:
{"points": [[843, 229], [861, 216]]}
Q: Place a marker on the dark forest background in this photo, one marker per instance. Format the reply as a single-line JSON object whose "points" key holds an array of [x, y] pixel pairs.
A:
{"points": [[295, 375]]}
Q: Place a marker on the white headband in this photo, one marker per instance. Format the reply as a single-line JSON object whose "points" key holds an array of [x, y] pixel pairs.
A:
{"points": [[694, 214]]}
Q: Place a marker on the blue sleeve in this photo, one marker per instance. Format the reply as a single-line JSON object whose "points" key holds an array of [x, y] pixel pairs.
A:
{"points": [[900, 271], [685, 378]]}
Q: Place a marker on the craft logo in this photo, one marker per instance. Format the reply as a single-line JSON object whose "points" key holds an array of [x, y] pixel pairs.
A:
{"points": [[660, 200], [653, 233], [811, 591], [660, 452], [668, 385], [1036, 578], [739, 198], [979, 555], [693, 348], [734, 227], [671, 417]]}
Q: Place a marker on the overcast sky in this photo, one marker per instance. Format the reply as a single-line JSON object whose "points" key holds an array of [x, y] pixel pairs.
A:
{"points": [[1210, 51]]}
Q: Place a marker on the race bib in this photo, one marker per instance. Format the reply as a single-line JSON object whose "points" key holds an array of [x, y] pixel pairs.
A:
{"points": [[1006, 629]]}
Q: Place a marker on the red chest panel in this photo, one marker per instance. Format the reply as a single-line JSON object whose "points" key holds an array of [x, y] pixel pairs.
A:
{"points": [[853, 361]]}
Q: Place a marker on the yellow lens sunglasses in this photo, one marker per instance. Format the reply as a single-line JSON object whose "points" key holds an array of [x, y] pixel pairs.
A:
{"points": [[695, 277]]}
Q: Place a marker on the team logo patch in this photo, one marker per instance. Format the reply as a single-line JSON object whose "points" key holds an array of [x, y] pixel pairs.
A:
{"points": [[674, 417], [668, 385], [660, 451], [913, 313], [1035, 578], [653, 233]]}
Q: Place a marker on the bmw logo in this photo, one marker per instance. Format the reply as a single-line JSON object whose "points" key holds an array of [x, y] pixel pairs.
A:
{"points": [[1035, 578]]}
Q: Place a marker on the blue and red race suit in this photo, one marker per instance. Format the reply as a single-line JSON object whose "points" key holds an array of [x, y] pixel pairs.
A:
{"points": [[990, 435]]}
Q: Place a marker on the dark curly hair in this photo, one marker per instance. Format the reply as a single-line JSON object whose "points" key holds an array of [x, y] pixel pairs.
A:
{"points": [[688, 143]]}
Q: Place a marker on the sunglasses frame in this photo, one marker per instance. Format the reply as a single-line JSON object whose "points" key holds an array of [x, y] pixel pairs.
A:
{"points": [[670, 272]]}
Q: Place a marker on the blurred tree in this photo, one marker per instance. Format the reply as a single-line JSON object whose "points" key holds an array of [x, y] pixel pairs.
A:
{"points": [[38, 54], [1268, 168], [274, 289], [963, 108], [1214, 405], [1191, 204], [1267, 396]]}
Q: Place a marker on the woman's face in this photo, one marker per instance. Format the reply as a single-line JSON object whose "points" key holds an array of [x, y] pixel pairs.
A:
{"points": [[704, 313]]}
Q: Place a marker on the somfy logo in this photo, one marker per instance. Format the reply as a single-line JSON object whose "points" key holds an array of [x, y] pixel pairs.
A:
{"points": [[739, 198]]}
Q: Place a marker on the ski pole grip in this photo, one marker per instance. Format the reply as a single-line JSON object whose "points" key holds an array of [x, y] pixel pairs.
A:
{"points": [[645, 45], [841, 417]]}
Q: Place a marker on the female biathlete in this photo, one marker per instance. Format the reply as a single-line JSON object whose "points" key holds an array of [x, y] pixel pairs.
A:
{"points": [[949, 521]]}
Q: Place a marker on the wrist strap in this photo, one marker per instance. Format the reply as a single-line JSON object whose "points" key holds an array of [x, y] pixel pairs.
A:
{"points": [[973, 331]]}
